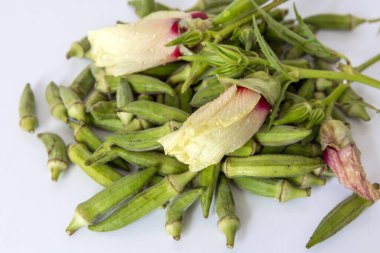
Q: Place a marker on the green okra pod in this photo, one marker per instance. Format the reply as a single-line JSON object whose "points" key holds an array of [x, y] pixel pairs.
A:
{"points": [[136, 124], [184, 99], [207, 94], [74, 105], [267, 166], [308, 150], [248, 149], [143, 84], [307, 180], [145, 97], [172, 101], [353, 105], [155, 112], [93, 98], [163, 71], [155, 180], [281, 135], [124, 95], [102, 174], [176, 210], [79, 48], [228, 222], [144, 202], [207, 179], [297, 113], [271, 149], [294, 53], [298, 62], [53, 98], [57, 154], [27, 111], [342, 215], [104, 110], [279, 189], [143, 7], [87, 212], [83, 83], [111, 125], [104, 83]]}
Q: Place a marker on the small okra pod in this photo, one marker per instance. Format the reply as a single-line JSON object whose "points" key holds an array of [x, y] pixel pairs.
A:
{"points": [[160, 98], [294, 53], [111, 125], [27, 110], [143, 84], [336, 21], [163, 71], [176, 210], [298, 62], [166, 165], [324, 172], [83, 83], [271, 150], [184, 99], [79, 48], [171, 101], [155, 180], [144, 202], [281, 135], [207, 94], [267, 166], [207, 179], [146, 97], [297, 113], [53, 98], [74, 105], [228, 222], [104, 83], [180, 74], [342, 215], [124, 95], [307, 180], [248, 149], [353, 105], [155, 112], [308, 150], [102, 174], [135, 125], [279, 189], [93, 98], [57, 153], [104, 110], [87, 212], [322, 84]]}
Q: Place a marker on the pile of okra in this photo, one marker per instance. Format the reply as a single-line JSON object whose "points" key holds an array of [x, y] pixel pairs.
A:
{"points": [[283, 160]]}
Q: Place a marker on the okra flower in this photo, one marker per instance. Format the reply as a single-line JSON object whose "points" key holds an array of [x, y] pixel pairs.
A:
{"points": [[224, 124], [129, 48], [343, 157]]}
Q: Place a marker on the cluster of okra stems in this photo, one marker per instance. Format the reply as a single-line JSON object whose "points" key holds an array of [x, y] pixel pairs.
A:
{"points": [[282, 161]]}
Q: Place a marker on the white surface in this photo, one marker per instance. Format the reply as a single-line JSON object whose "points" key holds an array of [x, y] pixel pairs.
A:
{"points": [[34, 211]]}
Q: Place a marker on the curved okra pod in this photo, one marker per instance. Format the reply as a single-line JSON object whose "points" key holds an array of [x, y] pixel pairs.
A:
{"points": [[267, 166], [307, 181], [124, 95], [228, 222], [104, 110], [136, 124], [176, 210], [111, 125], [143, 84], [102, 174], [248, 149], [163, 71], [281, 135], [279, 189], [83, 83], [56, 148], [93, 98], [74, 105], [27, 111], [155, 112], [207, 94], [336, 21], [166, 165], [53, 98], [104, 83], [79, 48], [184, 99], [86, 213], [308, 150], [342, 215], [207, 179], [144, 202]]}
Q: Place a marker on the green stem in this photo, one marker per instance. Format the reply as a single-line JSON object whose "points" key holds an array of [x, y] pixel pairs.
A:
{"points": [[335, 94], [368, 63]]}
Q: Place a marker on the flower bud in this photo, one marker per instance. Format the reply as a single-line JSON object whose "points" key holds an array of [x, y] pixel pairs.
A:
{"points": [[297, 113]]}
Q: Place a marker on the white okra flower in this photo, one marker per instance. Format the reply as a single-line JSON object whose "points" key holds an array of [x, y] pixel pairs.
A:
{"points": [[225, 124], [129, 48]]}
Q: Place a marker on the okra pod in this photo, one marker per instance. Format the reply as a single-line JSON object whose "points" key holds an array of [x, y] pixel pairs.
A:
{"points": [[353, 105], [102, 174], [279, 189], [136, 124], [271, 149], [74, 105], [335, 21], [93, 98], [297, 113], [308, 150], [307, 180], [184, 99], [124, 95], [228, 222], [248, 149], [163, 71], [145, 97], [143, 84], [104, 110], [83, 83], [267, 166], [104, 83], [281, 135], [144, 202], [155, 112], [111, 125], [57, 154], [176, 210], [27, 111], [207, 94], [53, 98], [207, 179], [79, 48], [87, 212]]}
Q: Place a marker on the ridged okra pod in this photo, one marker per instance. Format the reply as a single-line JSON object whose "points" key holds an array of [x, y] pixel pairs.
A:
{"points": [[79, 48], [104, 110], [53, 98], [342, 215], [102, 174], [93, 98], [281, 135], [144, 202], [207, 179], [136, 124], [307, 181], [155, 112], [73, 103], [111, 125], [248, 149], [228, 222], [163, 71], [267, 166], [184, 99], [143, 84], [207, 94], [308, 150], [176, 210], [57, 154], [27, 110], [124, 95], [279, 189], [83, 83], [87, 212], [335, 21]]}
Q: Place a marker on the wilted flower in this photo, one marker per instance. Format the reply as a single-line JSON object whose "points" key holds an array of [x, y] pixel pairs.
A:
{"points": [[129, 48], [343, 157], [224, 124]]}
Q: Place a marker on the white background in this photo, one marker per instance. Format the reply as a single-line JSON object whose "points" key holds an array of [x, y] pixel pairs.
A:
{"points": [[34, 37]]}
